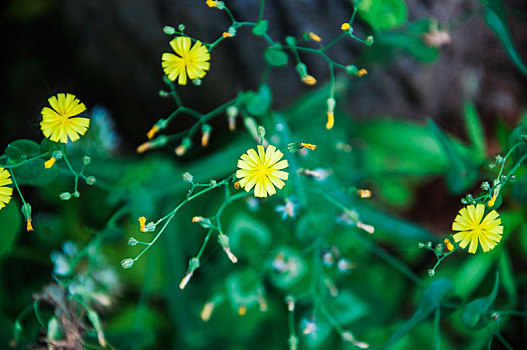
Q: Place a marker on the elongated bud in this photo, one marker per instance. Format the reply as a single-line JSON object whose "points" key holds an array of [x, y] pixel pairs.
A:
{"points": [[193, 265], [308, 145], [290, 301], [206, 312], [309, 80], [362, 72], [301, 70], [232, 113], [183, 147], [368, 228], [314, 37], [206, 129], [158, 142], [49, 163], [29, 227], [224, 242], [185, 280], [252, 127], [348, 337], [331, 117]]}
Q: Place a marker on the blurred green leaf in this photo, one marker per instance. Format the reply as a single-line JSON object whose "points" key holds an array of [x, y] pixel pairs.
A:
{"points": [[259, 102], [383, 14], [275, 57], [347, 307], [11, 223], [459, 175], [32, 172], [496, 18], [260, 28], [475, 129], [473, 314], [507, 277], [430, 301], [243, 288], [518, 136]]}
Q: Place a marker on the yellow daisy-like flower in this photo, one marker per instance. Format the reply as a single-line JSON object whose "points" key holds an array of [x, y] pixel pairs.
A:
{"points": [[188, 61], [473, 229], [262, 170], [5, 192], [57, 122]]}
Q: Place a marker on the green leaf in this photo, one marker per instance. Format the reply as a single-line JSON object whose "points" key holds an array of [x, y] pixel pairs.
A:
{"points": [[275, 57], [431, 299], [473, 315], [459, 175], [32, 172], [258, 103], [518, 135], [474, 129], [10, 222], [248, 234], [383, 14], [260, 28], [496, 18]]}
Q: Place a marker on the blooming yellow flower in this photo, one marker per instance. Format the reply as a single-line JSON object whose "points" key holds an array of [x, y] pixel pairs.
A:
{"points": [[262, 170], [5, 192], [188, 61], [57, 122], [473, 229]]}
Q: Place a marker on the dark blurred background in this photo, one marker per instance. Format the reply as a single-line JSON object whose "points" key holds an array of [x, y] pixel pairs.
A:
{"points": [[108, 52]]}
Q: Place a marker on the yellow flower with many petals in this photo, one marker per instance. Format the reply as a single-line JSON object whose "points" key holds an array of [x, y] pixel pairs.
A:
{"points": [[5, 192], [473, 229], [57, 122], [262, 170], [191, 62]]}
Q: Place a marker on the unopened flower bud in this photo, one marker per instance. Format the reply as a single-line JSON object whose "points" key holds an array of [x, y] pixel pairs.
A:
{"points": [[90, 180], [314, 37], [65, 196], [86, 159], [132, 241], [168, 30], [369, 40], [187, 177], [181, 27], [127, 263]]}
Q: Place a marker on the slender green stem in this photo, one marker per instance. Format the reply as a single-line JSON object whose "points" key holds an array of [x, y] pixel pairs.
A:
{"points": [[260, 13], [437, 336], [334, 41], [16, 186], [11, 166], [229, 13]]}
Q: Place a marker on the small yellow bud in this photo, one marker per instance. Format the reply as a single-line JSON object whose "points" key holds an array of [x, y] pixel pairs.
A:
{"points": [[49, 163], [142, 222], [309, 80], [242, 310], [364, 193], [185, 280], [181, 150], [314, 37], [308, 145], [211, 3], [231, 256], [331, 120], [226, 34], [448, 244], [345, 26], [493, 199], [29, 227], [151, 133], [144, 147], [197, 219], [206, 312], [362, 72], [237, 185], [205, 138]]}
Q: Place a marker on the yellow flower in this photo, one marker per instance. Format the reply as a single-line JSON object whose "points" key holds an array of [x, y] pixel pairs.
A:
{"points": [[57, 124], [345, 26], [262, 170], [5, 192], [473, 229], [188, 61]]}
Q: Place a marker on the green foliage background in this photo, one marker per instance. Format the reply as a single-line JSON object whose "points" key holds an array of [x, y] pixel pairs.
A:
{"points": [[387, 299]]}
